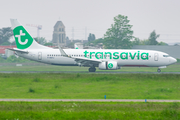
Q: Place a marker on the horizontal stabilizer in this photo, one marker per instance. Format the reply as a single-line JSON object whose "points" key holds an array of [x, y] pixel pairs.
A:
{"points": [[17, 50]]}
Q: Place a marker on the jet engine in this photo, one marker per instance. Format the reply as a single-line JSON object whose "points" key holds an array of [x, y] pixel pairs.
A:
{"points": [[108, 65]]}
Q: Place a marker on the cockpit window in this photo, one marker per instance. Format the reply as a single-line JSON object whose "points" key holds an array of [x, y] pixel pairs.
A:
{"points": [[165, 55]]}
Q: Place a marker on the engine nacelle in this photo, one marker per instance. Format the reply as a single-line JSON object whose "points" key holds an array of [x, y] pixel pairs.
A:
{"points": [[108, 65]]}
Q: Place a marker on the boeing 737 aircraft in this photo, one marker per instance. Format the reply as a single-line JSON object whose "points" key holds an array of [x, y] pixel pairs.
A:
{"points": [[105, 59]]}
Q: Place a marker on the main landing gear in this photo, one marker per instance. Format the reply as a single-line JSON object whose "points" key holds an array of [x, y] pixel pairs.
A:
{"points": [[158, 70], [92, 69]]}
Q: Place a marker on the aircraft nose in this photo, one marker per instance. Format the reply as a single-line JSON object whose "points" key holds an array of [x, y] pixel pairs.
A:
{"points": [[173, 60]]}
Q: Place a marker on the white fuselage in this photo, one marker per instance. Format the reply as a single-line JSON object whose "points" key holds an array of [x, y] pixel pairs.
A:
{"points": [[105, 59], [123, 57]]}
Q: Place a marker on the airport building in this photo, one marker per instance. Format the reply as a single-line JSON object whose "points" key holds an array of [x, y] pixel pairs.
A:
{"points": [[169, 49], [4, 50]]}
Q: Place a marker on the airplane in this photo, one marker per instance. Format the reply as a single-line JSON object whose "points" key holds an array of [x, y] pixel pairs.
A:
{"points": [[104, 59]]}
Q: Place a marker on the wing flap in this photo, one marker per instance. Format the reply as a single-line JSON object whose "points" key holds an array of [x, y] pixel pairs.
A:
{"points": [[86, 61]]}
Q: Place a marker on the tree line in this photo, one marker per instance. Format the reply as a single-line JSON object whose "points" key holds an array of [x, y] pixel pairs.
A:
{"points": [[118, 36]]}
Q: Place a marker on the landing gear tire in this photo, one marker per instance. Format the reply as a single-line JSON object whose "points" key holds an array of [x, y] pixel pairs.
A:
{"points": [[158, 70], [92, 69]]}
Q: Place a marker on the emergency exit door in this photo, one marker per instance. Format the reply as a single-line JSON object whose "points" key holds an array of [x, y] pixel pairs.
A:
{"points": [[39, 55], [156, 57]]}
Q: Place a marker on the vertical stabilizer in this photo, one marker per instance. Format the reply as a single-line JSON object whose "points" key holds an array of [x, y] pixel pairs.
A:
{"points": [[75, 46], [23, 39]]}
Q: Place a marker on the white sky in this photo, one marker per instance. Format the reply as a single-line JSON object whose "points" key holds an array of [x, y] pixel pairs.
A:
{"points": [[95, 15]]}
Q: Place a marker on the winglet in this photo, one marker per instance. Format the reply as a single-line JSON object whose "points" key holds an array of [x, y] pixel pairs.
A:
{"points": [[75, 46], [62, 51]]}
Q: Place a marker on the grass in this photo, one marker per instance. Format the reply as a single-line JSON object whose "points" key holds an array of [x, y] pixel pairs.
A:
{"points": [[171, 68], [88, 111], [89, 86]]}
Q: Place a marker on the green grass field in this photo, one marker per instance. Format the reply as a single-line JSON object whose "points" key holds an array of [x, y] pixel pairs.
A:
{"points": [[84, 85], [89, 86], [171, 68], [88, 111]]}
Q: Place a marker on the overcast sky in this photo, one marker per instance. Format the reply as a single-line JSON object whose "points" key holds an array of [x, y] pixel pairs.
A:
{"points": [[96, 16]]}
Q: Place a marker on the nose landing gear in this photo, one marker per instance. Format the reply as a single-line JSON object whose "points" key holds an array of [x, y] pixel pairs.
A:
{"points": [[158, 70]]}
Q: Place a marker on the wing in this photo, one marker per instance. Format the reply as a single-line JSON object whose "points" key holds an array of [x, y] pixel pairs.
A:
{"points": [[80, 60], [87, 61]]}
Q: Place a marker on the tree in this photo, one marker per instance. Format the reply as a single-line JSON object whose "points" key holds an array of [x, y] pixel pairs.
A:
{"points": [[48, 44], [120, 34], [152, 38], [13, 43], [40, 40], [100, 40], [91, 37], [5, 35], [145, 42], [137, 41], [162, 43]]}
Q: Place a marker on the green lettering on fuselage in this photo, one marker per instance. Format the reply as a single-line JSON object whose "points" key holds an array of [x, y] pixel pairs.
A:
{"points": [[146, 56], [85, 53], [100, 54], [106, 53], [91, 54], [116, 55], [124, 55], [138, 55], [132, 56]]}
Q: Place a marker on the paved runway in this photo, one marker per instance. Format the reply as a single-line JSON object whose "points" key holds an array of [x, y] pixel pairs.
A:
{"points": [[87, 100], [97, 72]]}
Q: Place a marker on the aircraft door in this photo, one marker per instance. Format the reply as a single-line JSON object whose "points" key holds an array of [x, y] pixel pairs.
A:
{"points": [[156, 57], [39, 55]]}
